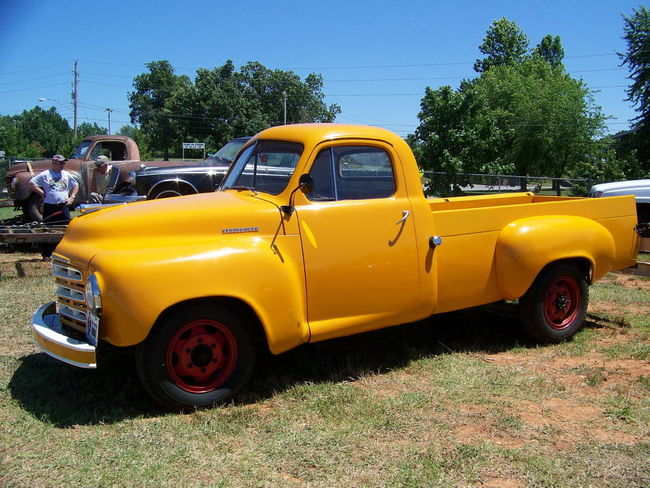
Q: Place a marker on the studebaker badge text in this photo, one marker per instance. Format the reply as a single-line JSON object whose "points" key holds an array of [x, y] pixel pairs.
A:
{"points": [[240, 230]]}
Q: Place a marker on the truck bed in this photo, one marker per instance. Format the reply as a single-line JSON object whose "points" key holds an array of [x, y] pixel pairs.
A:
{"points": [[471, 226]]}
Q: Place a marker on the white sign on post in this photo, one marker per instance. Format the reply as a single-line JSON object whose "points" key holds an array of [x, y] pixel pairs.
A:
{"points": [[193, 145]]}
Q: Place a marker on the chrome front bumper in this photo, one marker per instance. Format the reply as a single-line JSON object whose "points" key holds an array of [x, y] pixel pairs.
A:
{"points": [[50, 336]]}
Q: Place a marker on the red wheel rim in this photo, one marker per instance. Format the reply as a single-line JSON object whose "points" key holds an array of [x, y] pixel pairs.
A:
{"points": [[201, 356], [562, 302]]}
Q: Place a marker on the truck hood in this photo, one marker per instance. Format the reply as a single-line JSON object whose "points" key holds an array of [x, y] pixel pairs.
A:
{"points": [[174, 221]]}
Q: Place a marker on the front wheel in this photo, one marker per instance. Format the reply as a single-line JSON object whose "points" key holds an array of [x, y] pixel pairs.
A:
{"points": [[554, 307], [33, 208], [196, 357]]}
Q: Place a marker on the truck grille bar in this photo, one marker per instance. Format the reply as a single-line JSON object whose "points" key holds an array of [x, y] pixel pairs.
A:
{"points": [[70, 296]]}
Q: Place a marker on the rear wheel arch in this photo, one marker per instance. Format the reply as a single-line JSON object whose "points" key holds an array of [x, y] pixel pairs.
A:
{"points": [[171, 188], [527, 246]]}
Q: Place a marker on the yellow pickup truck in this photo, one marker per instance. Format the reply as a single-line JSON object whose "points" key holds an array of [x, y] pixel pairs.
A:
{"points": [[317, 231]]}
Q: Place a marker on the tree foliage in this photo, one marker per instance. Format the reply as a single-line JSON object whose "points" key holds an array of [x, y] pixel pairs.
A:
{"points": [[504, 43], [523, 115], [37, 133], [547, 120], [637, 59], [151, 103], [222, 103], [550, 49]]}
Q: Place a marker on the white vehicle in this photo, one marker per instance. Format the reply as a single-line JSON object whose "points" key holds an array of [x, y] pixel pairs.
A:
{"points": [[639, 188]]}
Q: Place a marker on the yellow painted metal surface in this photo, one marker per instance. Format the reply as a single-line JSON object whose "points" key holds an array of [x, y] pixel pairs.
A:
{"points": [[335, 268]]}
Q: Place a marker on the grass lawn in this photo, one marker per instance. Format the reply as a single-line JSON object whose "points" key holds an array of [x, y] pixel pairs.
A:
{"points": [[457, 400]]}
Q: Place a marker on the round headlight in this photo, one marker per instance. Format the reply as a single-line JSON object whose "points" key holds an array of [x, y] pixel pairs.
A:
{"points": [[93, 295]]}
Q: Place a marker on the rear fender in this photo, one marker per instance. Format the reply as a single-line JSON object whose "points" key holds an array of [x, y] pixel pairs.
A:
{"points": [[526, 246]]}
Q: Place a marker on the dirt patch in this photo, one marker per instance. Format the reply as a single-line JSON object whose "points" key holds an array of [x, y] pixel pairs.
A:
{"points": [[628, 281], [501, 483]]}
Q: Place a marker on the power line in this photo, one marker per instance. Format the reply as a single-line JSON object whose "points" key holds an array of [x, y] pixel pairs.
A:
{"points": [[35, 79], [34, 69], [33, 88]]}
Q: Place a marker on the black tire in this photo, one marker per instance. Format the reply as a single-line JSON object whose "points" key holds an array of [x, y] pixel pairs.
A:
{"points": [[196, 357], [33, 208], [554, 307]]}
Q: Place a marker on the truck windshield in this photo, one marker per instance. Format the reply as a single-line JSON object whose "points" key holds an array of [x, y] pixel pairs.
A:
{"points": [[266, 166], [81, 150]]}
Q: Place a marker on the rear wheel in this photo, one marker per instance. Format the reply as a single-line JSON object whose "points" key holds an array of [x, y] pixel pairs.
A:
{"points": [[554, 307], [196, 357]]}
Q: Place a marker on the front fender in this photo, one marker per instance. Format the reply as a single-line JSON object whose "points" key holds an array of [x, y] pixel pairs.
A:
{"points": [[524, 247], [20, 185], [139, 285]]}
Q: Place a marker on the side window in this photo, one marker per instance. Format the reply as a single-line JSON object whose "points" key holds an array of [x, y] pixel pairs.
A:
{"points": [[321, 172], [98, 150], [352, 173]]}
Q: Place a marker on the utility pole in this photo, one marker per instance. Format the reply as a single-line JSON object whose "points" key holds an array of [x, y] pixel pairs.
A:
{"points": [[75, 97], [284, 95], [108, 111]]}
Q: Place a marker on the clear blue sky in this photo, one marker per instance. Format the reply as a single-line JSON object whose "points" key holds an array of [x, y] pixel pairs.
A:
{"points": [[376, 56]]}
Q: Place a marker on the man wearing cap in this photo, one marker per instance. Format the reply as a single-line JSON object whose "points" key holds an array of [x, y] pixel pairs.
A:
{"points": [[58, 189], [99, 179]]}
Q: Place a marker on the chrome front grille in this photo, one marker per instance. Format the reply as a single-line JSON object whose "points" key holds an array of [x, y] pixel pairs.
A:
{"points": [[66, 272], [70, 297]]}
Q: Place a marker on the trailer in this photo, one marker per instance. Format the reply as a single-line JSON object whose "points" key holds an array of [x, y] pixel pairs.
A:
{"points": [[33, 233]]}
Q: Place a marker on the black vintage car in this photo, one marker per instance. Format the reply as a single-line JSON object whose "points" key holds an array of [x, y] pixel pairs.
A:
{"points": [[174, 181]]}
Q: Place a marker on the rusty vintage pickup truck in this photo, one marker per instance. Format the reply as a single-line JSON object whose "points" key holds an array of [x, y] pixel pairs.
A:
{"points": [[121, 150], [318, 231]]}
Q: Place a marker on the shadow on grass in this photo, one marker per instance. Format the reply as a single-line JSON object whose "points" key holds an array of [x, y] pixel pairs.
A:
{"points": [[65, 395]]}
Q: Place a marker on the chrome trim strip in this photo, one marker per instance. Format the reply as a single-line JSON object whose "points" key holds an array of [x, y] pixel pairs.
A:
{"points": [[177, 181]]}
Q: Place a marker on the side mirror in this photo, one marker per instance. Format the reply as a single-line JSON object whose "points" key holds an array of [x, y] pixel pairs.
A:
{"points": [[306, 184]]}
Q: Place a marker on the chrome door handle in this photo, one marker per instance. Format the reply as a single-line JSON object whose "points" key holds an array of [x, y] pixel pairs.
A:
{"points": [[405, 215]]}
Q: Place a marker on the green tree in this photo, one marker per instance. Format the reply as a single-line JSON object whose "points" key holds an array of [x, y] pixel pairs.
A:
{"points": [[455, 136], [637, 59], [304, 99], [523, 115], [504, 43], [151, 100], [141, 139], [35, 133], [550, 48], [222, 103], [548, 119], [86, 129]]}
